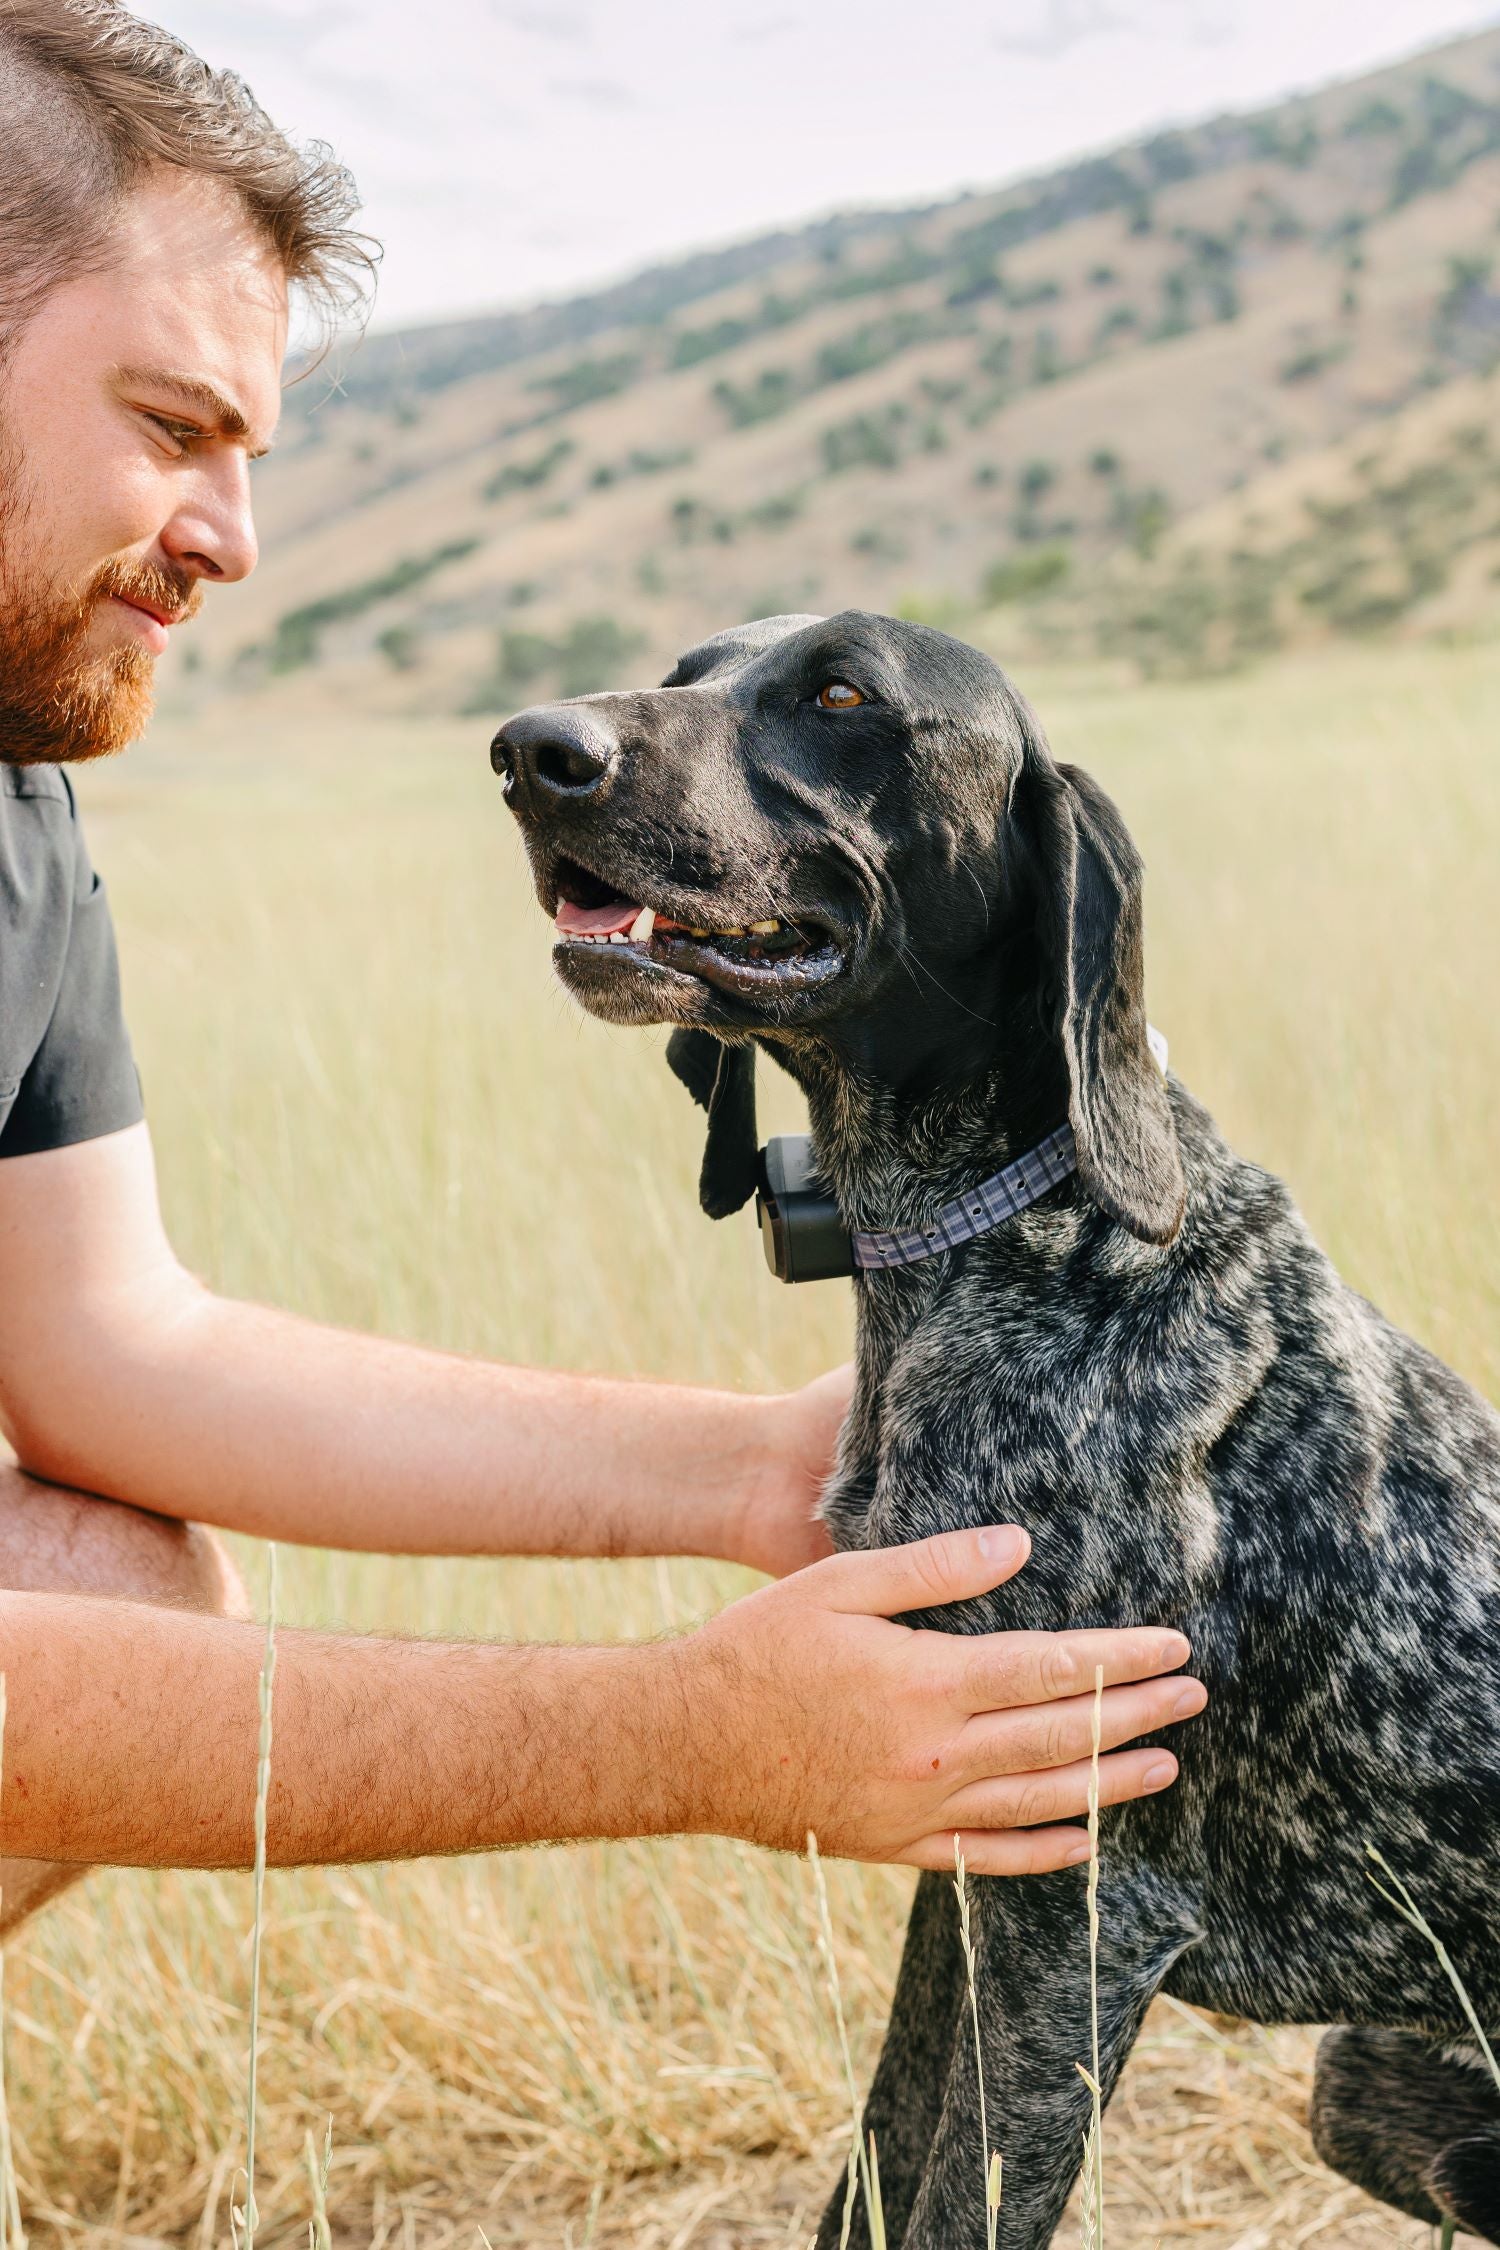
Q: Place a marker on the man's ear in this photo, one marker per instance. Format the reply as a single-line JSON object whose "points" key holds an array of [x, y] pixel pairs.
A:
{"points": [[1093, 965], [721, 1079]]}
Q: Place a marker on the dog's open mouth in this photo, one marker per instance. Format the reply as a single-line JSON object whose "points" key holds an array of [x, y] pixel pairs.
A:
{"points": [[771, 949]]}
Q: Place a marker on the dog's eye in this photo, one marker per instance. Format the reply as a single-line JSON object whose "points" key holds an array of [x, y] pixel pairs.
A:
{"points": [[839, 696]]}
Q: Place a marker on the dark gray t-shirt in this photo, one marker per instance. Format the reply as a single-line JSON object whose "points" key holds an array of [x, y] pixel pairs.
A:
{"points": [[66, 1071]]}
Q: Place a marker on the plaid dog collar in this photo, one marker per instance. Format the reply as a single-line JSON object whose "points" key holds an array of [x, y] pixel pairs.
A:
{"points": [[1005, 1196], [803, 1230], [806, 1239]]}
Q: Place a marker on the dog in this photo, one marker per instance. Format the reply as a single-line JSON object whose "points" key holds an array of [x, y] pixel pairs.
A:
{"points": [[843, 843]]}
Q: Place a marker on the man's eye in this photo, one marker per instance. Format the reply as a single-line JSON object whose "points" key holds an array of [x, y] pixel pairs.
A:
{"points": [[839, 696], [181, 433]]}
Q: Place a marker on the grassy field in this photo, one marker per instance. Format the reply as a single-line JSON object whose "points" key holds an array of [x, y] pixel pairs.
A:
{"points": [[370, 1102]]}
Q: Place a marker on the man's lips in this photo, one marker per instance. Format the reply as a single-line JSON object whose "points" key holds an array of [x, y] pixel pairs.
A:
{"points": [[154, 622]]}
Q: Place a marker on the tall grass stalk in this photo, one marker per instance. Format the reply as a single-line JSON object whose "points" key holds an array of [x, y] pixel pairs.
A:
{"points": [[1093, 2147], [12, 2236], [993, 2170], [868, 2169], [262, 1794], [1406, 1906], [319, 2233]]}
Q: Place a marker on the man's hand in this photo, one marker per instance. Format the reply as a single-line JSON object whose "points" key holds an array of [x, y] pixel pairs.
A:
{"points": [[775, 1526], [811, 1709]]}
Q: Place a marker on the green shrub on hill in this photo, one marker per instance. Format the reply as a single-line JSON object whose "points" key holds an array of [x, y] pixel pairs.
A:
{"points": [[1021, 296], [869, 346], [690, 345], [639, 462], [1047, 362], [525, 476], [297, 637], [1020, 577], [1377, 116], [975, 282], [865, 441], [770, 393], [1311, 360], [910, 261], [587, 380], [400, 647], [590, 655], [1120, 320]]}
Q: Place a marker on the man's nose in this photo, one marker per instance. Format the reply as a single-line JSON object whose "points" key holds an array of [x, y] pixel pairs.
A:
{"points": [[554, 753], [212, 529]]}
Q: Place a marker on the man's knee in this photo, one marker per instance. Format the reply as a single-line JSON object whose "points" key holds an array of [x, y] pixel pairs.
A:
{"points": [[56, 1541]]}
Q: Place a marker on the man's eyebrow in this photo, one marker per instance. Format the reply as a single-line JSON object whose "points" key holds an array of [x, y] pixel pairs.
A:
{"points": [[204, 397]]}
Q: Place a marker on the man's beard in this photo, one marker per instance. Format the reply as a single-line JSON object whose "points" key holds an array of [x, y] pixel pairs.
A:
{"points": [[60, 700]]}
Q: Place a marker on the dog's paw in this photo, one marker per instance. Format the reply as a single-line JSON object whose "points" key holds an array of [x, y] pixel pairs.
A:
{"points": [[1465, 2184]]}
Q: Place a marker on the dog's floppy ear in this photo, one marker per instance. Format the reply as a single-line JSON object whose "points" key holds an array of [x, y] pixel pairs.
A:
{"points": [[1090, 933], [721, 1079]]}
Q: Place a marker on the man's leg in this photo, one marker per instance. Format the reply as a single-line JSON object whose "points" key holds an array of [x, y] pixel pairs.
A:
{"points": [[58, 1542]]}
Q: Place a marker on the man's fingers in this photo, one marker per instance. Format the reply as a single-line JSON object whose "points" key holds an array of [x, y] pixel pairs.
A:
{"points": [[1002, 1670], [1028, 1800], [953, 1567], [1055, 1734], [1019, 1851]]}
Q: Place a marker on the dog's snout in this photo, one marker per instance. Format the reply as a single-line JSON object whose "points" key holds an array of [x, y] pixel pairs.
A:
{"points": [[556, 751]]}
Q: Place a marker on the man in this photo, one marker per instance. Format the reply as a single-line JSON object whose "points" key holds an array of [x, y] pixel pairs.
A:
{"points": [[152, 224]]}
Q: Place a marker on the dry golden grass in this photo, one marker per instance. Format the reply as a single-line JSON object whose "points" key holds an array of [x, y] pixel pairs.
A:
{"points": [[370, 1102]]}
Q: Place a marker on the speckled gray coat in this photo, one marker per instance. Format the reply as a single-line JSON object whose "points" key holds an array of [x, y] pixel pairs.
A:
{"points": [[1216, 1434]]}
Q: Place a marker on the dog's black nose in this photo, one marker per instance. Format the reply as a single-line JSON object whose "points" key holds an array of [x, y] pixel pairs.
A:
{"points": [[555, 750]]}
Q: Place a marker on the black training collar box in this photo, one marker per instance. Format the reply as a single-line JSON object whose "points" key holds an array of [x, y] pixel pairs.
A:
{"points": [[804, 1235]]}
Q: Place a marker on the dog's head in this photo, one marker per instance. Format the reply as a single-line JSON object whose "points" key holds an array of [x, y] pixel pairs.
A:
{"points": [[848, 831]]}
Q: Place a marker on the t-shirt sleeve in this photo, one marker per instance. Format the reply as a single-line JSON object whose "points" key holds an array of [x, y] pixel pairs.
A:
{"points": [[81, 1079]]}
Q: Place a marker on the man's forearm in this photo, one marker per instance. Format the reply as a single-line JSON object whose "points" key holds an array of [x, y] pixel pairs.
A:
{"points": [[119, 1374], [257, 1421], [132, 1732]]}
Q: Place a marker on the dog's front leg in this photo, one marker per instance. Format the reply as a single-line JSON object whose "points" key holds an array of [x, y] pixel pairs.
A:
{"points": [[906, 2097], [1033, 1983]]}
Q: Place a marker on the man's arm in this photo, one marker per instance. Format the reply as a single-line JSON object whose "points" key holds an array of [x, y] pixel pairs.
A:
{"points": [[121, 1374], [131, 1732]]}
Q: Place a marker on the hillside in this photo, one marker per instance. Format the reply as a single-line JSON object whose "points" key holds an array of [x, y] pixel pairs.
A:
{"points": [[1148, 405]]}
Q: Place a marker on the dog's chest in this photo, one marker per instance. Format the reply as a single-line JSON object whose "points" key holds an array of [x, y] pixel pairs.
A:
{"points": [[1059, 1411], [1155, 1420]]}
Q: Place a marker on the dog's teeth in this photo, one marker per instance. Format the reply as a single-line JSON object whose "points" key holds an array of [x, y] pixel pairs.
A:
{"points": [[618, 937], [764, 929], [735, 932], [700, 933], [643, 925]]}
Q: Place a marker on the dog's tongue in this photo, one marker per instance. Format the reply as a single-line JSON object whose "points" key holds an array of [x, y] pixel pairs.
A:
{"points": [[595, 921]]}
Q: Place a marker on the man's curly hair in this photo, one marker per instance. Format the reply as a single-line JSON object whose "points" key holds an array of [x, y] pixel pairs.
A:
{"points": [[91, 98]]}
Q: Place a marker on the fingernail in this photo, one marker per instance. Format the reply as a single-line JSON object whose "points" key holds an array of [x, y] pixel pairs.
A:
{"points": [[1174, 1650], [1077, 1855], [1158, 1776], [1002, 1542], [1191, 1699]]}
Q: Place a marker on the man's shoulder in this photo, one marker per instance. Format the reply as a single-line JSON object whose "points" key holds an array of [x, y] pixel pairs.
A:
{"points": [[36, 784]]}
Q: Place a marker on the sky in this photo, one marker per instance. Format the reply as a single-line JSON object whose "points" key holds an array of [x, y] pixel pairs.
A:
{"points": [[515, 150]]}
